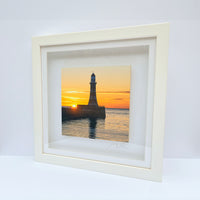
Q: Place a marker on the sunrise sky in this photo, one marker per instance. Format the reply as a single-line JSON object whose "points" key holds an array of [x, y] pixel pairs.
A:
{"points": [[113, 86]]}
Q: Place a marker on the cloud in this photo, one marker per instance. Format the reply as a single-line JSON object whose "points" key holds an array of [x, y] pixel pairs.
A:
{"points": [[67, 101], [112, 92], [118, 99], [73, 92], [73, 98]]}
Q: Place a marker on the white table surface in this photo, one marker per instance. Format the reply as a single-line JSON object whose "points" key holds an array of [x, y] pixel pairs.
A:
{"points": [[23, 178]]}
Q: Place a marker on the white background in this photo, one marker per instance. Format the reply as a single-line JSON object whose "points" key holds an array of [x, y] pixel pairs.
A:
{"points": [[20, 20]]}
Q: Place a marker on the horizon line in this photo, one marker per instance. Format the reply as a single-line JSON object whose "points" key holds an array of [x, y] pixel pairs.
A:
{"points": [[99, 106]]}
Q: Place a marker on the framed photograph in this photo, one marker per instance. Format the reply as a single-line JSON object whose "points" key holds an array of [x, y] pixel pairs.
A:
{"points": [[99, 99]]}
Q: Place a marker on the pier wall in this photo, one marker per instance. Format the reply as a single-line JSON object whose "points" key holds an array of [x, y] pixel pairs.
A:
{"points": [[83, 111]]}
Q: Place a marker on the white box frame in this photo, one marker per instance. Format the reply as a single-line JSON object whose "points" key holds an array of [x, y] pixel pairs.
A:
{"points": [[158, 31]]}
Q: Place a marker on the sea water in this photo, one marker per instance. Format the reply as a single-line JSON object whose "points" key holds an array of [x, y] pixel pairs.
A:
{"points": [[115, 127]]}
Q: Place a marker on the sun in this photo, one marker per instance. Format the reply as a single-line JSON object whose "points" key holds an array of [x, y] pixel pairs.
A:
{"points": [[74, 106]]}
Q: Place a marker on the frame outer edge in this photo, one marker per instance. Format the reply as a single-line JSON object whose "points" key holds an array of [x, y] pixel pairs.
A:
{"points": [[37, 98], [161, 32], [160, 100]]}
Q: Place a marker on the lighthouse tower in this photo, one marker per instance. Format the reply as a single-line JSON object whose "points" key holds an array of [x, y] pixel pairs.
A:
{"points": [[93, 98]]}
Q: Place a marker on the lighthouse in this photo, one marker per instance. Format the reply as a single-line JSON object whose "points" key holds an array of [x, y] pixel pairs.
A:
{"points": [[93, 97], [91, 111]]}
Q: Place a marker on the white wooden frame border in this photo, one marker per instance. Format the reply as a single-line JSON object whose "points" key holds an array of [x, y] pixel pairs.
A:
{"points": [[158, 31]]}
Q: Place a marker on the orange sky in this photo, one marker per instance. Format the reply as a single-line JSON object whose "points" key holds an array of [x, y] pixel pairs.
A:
{"points": [[113, 86]]}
